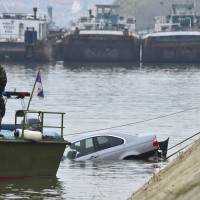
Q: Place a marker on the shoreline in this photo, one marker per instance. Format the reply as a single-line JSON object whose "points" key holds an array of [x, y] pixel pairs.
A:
{"points": [[177, 181]]}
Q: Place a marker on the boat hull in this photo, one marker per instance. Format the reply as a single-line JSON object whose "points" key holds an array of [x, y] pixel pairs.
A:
{"points": [[41, 51], [21, 159], [19, 51], [171, 48], [100, 48], [12, 51]]}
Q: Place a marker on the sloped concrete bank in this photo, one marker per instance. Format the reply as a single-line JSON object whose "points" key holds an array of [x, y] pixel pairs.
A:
{"points": [[180, 180]]}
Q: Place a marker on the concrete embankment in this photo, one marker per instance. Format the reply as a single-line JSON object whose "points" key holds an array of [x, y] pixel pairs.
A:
{"points": [[180, 180]]}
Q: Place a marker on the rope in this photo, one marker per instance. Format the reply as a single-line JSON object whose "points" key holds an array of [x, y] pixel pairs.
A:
{"points": [[179, 150], [138, 122], [181, 142], [184, 140]]}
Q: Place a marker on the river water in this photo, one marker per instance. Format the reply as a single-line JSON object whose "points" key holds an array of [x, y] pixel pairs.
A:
{"points": [[102, 95]]}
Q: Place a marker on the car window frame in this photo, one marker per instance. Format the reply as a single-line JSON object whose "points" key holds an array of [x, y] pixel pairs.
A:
{"points": [[82, 141], [97, 146]]}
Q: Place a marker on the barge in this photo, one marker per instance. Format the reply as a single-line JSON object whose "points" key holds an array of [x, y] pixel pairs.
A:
{"points": [[24, 37], [104, 37], [176, 37]]}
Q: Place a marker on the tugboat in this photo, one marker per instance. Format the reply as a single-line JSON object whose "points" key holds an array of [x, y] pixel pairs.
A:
{"points": [[104, 37], [24, 37], [176, 37]]}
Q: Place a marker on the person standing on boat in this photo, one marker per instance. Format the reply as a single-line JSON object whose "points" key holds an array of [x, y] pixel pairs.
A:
{"points": [[3, 81]]}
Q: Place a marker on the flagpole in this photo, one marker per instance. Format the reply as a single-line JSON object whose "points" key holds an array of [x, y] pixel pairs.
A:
{"points": [[33, 90]]}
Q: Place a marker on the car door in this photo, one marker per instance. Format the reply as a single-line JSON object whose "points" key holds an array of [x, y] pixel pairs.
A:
{"points": [[85, 150], [109, 147]]}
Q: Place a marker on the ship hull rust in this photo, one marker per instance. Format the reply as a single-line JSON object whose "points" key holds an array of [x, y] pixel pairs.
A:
{"points": [[101, 48], [12, 51], [18, 51], [181, 48]]}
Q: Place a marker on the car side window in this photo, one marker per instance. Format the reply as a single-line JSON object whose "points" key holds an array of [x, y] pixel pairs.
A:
{"points": [[105, 142], [84, 147]]}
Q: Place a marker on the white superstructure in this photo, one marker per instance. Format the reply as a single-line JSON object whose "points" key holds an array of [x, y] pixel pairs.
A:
{"points": [[14, 25]]}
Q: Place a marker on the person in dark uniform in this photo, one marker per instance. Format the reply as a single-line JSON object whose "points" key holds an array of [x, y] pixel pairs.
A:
{"points": [[3, 81]]}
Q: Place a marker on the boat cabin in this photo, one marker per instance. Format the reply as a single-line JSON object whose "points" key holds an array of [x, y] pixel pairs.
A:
{"points": [[183, 14], [13, 26], [182, 18], [106, 18], [108, 13]]}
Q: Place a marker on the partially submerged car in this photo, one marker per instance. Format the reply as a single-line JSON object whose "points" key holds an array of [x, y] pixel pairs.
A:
{"points": [[113, 146]]}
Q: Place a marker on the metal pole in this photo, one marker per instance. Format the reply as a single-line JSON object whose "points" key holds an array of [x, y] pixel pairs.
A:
{"points": [[32, 90]]}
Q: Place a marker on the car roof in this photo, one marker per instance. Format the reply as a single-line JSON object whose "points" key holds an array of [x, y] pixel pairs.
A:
{"points": [[77, 137]]}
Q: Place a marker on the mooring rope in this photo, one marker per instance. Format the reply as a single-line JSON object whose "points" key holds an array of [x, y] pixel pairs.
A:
{"points": [[184, 140], [138, 122], [179, 150], [179, 144]]}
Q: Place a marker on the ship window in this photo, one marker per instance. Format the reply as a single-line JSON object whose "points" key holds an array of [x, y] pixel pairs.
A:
{"points": [[100, 11], [21, 29], [43, 30], [83, 19], [114, 11], [107, 11], [40, 31], [130, 20], [21, 25]]}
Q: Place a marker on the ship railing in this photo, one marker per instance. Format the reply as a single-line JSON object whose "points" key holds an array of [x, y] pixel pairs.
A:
{"points": [[100, 26], [42, 119], [166, 27], [160, 19], [11, 38]]}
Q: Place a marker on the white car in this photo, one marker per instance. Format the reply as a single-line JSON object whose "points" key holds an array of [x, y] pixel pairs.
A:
{"points": [[112, 146]]}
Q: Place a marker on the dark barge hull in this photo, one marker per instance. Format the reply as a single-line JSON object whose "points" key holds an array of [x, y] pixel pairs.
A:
{"points": [[12, 51], [20, 159], [19, 51], [101, 48], [171, 48]]}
